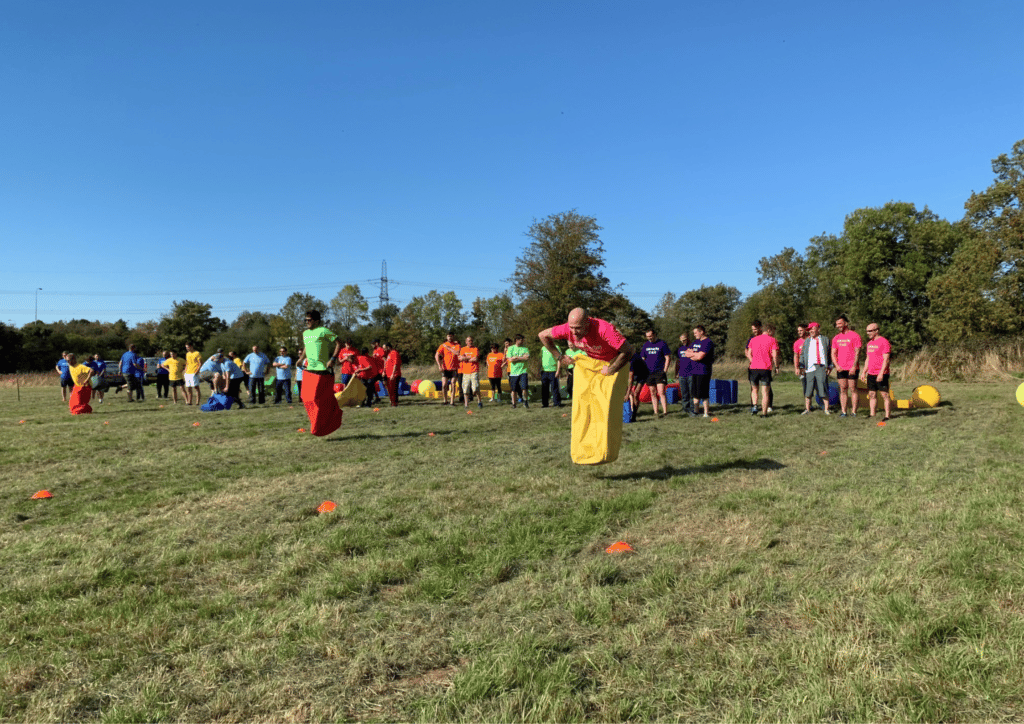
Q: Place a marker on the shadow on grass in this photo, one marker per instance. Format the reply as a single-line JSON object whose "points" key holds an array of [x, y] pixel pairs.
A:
{"points": [[668, 471], [366, 436]]}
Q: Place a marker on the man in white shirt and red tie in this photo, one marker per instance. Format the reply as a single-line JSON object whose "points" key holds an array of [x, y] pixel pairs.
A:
{"points": [[815, 364]]}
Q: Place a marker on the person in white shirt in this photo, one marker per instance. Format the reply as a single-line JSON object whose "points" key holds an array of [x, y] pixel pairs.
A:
{"points": [[814, 366]]}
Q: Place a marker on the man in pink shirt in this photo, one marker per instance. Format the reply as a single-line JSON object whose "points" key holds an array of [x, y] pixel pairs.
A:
{"points": [[763, 354], [596, 337], [876, 370], [846, 359], [801, 335]]}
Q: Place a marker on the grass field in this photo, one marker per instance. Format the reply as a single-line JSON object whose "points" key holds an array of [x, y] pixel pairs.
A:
{"points": [[791, 568]]}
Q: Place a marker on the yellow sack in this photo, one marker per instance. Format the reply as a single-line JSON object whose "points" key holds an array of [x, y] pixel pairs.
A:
{"points": [[597, 412], [353, 394]]}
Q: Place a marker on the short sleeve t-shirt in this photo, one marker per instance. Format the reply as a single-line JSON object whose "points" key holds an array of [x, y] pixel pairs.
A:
{"points": [[175, 369], [846, 346], [761, 348], [364, 361], [449, 355], [600, 342], [638, 366], [797, 348], [393, 364], [258, 363], [319, 344], [193, 361], [468, 367], [65, 370], [517, 368], [654, 354], [348, 355], [283, 373], [685, 363], [702, 366], [877, 349], [495, 360], [548, 362], [80, 375]]}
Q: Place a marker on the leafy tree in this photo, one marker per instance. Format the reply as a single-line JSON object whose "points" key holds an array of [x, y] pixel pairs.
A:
{"points": [[996, 213], [561, 269], [248, 320], [628, 318], [349, 308], [493, 317], [384, 316], [11, 341], [711, 306], [879, 268], [187, 321], [293, 315]]}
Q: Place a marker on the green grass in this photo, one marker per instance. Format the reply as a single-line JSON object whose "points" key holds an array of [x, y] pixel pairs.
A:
{"points": [[794, 568]]}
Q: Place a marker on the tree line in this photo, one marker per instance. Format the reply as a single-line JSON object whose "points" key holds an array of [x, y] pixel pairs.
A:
{"points": [[927, 281]]}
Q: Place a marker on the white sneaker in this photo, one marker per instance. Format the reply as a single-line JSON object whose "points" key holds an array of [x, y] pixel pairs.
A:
{"points": [[769, 409]]}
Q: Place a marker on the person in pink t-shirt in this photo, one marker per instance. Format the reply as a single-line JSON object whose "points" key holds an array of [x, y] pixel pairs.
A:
{"points": [[876, 370], [846, 359], [763, 354], [596, 337], [801, 335]]}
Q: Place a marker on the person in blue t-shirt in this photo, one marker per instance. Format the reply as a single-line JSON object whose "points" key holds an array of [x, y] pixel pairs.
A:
{"points": [[256, 364], [283, 376], [66, 383], [99, 383], [234, 375], [656, 355], [132, 366]]}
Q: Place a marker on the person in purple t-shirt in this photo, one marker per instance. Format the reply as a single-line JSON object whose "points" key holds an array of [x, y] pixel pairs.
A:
{"points": [[702, 356], [684, 368], [656, 356]]}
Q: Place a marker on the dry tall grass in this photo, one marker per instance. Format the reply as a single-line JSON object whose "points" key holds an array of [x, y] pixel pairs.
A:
{"points": [[30, 379], [990, 363]]}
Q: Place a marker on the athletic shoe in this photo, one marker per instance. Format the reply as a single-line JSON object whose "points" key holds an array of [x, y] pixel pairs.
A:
{"points": [[706, 415], [828, 412], [769, 409], [842, 414], [753, 410], [853, 414], [884, 419], [806, 412], [480, 405], [694, 414]]}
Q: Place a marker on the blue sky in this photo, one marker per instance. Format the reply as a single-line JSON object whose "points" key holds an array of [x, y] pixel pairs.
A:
{"points": [[235, 152]]}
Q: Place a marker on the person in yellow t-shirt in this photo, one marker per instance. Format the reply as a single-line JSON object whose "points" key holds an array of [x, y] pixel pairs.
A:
{"points": [[193, 361], [175, 367], [81, 375]]}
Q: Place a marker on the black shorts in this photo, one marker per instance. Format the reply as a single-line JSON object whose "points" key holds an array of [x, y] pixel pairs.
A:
{"points": [[700, 387], [656, 378], [448, 374], [875, 386], [759, 377], [847, 375], [64, 384], [177, 383]]}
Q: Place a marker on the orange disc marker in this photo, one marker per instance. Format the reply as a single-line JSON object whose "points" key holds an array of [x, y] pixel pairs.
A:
{"points": [[430, 434], [881, 423], [823, 452], [302, 429], [42, 494], [326, 507], [161, 407], [619, 547], [195, 424], [21, 422], [469, 412], [565, 414], [714, 419], [376, 409], [106, 422]]}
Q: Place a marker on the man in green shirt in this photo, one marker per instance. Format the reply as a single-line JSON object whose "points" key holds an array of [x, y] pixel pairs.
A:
{"points": [[550, 369], [516, 358], [317, 393]]}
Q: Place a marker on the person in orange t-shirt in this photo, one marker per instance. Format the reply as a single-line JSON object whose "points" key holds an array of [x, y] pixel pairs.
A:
{"points": [[495, 361], [365, 369], [469, 367], [347, 356], [447, 358], [392, 371]]}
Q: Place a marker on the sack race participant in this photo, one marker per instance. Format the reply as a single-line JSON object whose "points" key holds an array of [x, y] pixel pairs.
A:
{"points": [[317, 392], [597, 413], [81, 376], [353, 394], [596, 427], [216, 402]]}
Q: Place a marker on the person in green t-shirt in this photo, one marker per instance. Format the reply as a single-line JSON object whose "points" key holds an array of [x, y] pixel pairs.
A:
{"points": [[516, 358], [550, 370], [317, 391]]}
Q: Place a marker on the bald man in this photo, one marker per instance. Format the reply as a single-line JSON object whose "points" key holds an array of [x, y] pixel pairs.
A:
{"points": [[596, 337]]}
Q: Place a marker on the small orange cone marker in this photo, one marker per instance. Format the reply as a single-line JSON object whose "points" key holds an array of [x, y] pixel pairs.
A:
{"points": [[42, 494], [565, 414], [161, 407], [326, 507], [469, 412], [106, 422], [21, 422], [302, 429], [376, 409], [881, 423], [195, 424], [430, 434], [619, 547], [714, 419]]}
